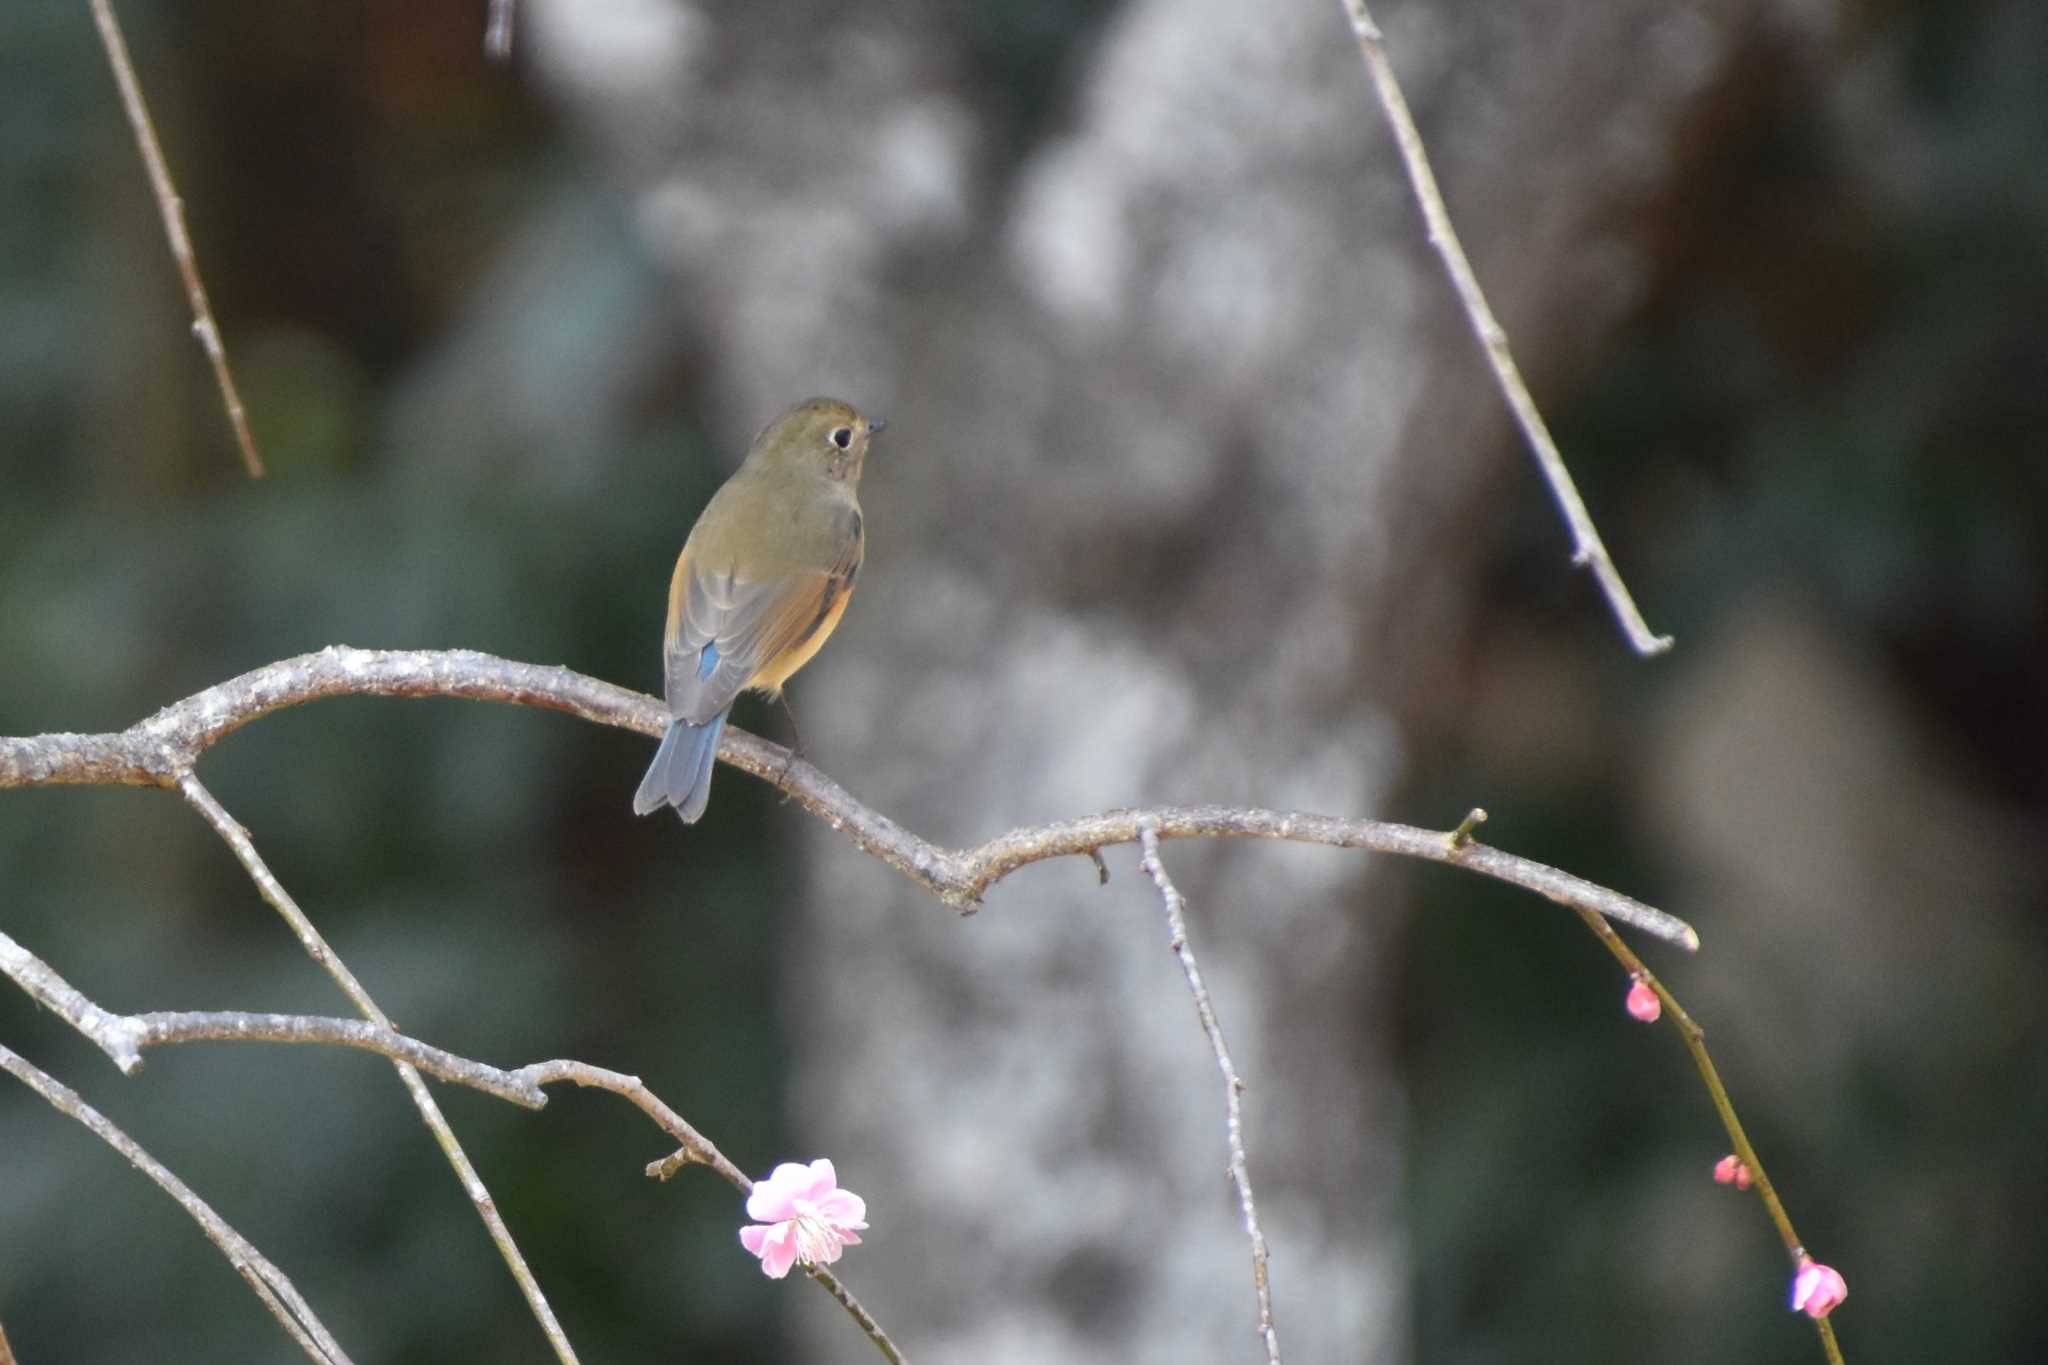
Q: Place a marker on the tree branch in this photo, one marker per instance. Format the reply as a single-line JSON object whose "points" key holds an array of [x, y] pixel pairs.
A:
{"points": [[1587, 547], [119, 1036], [272, 890], [839, 1291], [230, 1026], [1175, 906], [123, 1036], [270, 1283], [204, 328], [161, 750]]}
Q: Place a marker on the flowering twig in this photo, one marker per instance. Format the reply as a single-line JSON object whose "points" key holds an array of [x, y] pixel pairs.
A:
{"points": [[1587, 549], [159, 751], [697, 1150], [1695, 1039], [123, 1036], [204, 328], [277, 1292], [237, 839], [1233, 1087]]}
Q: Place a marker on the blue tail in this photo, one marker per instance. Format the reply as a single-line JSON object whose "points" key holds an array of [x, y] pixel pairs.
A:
{"points": [[680, 775]]}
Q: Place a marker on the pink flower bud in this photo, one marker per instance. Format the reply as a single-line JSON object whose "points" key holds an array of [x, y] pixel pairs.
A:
{"points": [[1729, 1170], [1643, 1003], [1817, 1289]]}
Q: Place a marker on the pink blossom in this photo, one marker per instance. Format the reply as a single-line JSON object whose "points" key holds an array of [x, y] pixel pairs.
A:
{"points": [[801, 1215], [1643, 1003], [1730, 1170], [1817, 1289]]}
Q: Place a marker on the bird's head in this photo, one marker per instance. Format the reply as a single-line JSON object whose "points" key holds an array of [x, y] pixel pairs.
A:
{"points": [[819, 435]]}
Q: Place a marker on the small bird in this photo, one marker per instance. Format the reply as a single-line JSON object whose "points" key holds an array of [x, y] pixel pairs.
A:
{"points": [[760, 584]]}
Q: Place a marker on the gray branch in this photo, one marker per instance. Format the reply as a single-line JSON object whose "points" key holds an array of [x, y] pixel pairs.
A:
{"points": [[123, 1036], [161, 750], [271, 1285], [1588, 551], [238, 841], [226, 1026], [1175, 906], [204, 328]]}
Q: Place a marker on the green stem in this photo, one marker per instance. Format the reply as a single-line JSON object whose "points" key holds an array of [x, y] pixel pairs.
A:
{"points": [[1695, 1039]]}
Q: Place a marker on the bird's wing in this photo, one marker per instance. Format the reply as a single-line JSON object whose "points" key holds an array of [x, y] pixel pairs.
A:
{"points": [[724, 628]]}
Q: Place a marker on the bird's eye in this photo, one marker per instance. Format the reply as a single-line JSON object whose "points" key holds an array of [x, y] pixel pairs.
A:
{"points": [[842, 437]]}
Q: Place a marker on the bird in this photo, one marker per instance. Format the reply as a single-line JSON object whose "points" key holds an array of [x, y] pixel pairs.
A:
{"points": [[761, 583]]}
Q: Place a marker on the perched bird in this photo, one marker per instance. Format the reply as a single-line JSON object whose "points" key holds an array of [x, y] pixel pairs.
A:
{"points": [[761, 582]]}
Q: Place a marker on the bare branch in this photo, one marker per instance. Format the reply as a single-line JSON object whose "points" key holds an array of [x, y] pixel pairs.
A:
{"points": [[1233, 1087], [6, 1351], [116, 1035], [160, 751], [1587, 549], [237, 839], [961, 879], [232, 1026], [270, 1283], [204, 328], [839, 1291], [696, 1148], [123, 1036]]}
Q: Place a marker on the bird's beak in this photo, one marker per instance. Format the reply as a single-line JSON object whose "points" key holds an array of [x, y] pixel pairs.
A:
{"points": [[876, 424]]}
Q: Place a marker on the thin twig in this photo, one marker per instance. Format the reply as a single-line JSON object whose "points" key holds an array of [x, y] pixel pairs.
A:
{"points": [[116, 1035], [159, 752], [1695, 1039], [696, 1148], [6, 1351], [1587, 549], [123, 1036], [1233, 1086], [839, 1291], [204, 328], [237, 839], [498, 31], [270, 1283]]}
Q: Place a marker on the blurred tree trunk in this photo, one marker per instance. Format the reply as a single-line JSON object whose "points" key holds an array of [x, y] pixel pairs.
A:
{"points": [[1187, 444]]}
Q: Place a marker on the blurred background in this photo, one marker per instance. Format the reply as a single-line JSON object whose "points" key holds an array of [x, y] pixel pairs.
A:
{"points": [[1195, 489]]}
